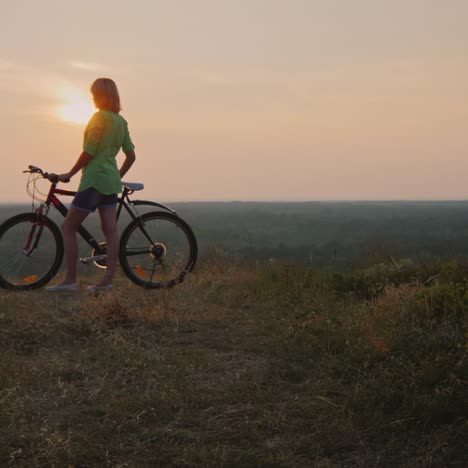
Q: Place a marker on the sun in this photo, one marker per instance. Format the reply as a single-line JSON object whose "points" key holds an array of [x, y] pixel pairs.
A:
{"points": [[75, 106]]}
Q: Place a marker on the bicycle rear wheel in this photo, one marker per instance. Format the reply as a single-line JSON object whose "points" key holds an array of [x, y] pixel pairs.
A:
{"points": [[157, 250], [31, 252]]}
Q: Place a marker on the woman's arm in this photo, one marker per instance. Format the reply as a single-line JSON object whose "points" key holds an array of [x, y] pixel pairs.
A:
{"points": [[82, 161], [127, 164]]}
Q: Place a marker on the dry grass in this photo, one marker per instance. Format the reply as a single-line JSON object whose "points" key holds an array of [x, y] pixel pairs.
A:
{"points": [[239, 366]]}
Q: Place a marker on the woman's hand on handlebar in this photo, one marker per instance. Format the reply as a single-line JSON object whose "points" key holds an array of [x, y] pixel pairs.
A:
{"points": [[64, 177], [54, 178]]}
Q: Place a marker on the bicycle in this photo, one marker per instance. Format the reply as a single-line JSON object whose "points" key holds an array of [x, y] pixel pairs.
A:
{"points": [[157, 249]]}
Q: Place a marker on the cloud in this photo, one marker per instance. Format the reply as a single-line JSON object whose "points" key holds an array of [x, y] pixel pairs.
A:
{"points": [[13, 76], [89, 66], [6, 65]]}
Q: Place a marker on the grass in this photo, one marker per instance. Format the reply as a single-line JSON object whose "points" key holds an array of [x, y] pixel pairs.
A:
{"points": [[268, 365]]}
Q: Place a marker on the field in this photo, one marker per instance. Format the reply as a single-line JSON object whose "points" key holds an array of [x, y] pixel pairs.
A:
{"points": [[255, 360], [331, 235]]}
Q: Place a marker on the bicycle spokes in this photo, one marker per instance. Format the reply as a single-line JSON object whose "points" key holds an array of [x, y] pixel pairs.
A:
{"points": [[30, 251], [159, 254]]}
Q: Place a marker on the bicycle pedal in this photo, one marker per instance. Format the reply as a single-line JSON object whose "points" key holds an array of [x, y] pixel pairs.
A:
{"points": [[96, 258]]}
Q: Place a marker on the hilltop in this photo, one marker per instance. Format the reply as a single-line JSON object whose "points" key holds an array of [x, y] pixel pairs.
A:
{"points": [[241, 365]]}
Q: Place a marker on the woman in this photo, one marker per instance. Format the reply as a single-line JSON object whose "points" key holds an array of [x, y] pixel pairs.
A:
{"points": [[105, 134]]}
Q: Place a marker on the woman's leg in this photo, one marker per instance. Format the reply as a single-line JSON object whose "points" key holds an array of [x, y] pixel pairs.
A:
{"points": [[108, 216], [70, 227]]}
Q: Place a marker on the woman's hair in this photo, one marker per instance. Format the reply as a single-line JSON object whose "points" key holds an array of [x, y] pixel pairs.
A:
{"points": [[107, 94]]}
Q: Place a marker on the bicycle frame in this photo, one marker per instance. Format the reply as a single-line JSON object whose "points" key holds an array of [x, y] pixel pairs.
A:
{"points": [[123, 201]]}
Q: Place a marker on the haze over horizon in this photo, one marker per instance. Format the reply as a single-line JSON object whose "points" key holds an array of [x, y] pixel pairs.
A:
{"points": [[248, 100]]}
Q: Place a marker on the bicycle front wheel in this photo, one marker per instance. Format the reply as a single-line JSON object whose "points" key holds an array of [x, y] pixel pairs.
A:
{"points": [[31, 251], [157, 250]]}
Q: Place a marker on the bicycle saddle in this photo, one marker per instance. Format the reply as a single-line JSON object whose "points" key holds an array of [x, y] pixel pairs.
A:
{"points": [[133, 186]]}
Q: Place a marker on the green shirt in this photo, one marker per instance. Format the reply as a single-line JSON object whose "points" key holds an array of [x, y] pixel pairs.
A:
{"points": [[105, 134]]}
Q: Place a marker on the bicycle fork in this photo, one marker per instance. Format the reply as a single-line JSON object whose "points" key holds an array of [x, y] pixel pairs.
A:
{"points": [[35, 233]]}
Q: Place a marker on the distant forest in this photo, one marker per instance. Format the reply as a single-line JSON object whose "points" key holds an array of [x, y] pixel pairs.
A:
{"points": [[331, 234], [338, 235]]}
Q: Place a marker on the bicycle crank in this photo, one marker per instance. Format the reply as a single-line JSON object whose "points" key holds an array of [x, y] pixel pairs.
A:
{"points": [[100, 259]]}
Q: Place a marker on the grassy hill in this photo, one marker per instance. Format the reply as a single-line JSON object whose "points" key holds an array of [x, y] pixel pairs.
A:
{"points": [[242, 365]]}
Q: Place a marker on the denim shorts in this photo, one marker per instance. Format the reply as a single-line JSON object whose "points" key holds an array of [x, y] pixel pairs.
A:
{"points": [[90, 199]]}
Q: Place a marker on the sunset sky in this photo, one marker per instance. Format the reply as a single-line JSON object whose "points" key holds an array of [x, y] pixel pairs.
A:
{"points": [[245, 99]]}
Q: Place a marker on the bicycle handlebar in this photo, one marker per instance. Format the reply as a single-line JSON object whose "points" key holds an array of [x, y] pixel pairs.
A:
{"points": [[37, 170]]}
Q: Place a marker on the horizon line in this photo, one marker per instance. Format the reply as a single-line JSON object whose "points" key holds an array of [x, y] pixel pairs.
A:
{"points": [[308, 200]]}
